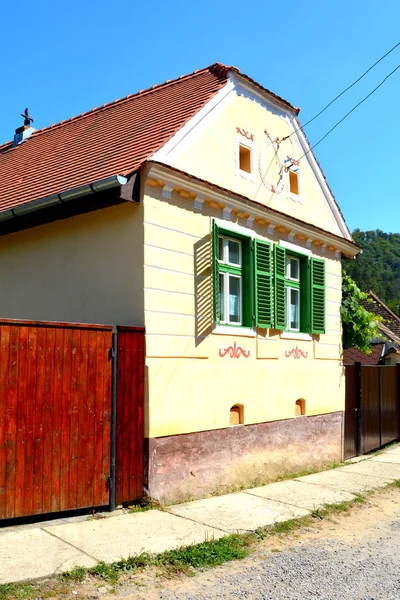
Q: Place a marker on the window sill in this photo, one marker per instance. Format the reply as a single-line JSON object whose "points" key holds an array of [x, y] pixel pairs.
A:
{"points": [[295, 198], [292, 335], [246, 175], [240, 331]]}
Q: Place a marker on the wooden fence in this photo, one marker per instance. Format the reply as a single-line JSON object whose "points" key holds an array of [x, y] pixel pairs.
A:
{"points": [[56, 417], [372, 408]]}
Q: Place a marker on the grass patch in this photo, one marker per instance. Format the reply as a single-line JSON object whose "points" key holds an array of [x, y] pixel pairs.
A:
{"points": [[396, 483], [10, 591], [145, 506]]}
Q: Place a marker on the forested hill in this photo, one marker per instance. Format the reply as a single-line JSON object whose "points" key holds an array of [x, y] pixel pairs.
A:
{"points": [[378, 267]]}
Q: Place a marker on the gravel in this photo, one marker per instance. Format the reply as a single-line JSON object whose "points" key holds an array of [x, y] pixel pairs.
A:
{"points": [[354, 557]]}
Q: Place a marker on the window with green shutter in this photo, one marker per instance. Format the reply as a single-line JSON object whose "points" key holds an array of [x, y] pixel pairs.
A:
{"points": [[263, 284], [232, 278], [255, 286], [318, 295]]}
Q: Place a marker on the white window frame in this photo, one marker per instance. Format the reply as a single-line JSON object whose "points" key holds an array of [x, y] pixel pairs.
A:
{"points": [[288, 259], [225, 297], [295, 197], [288, 291], [246, 144]]}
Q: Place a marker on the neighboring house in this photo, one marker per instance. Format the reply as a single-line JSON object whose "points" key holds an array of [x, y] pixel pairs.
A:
{"points": [[196, 209], [385, 350]]}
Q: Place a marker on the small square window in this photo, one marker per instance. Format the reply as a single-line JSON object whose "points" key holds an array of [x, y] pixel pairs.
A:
{"points": [[293, 182], [244, 158]]}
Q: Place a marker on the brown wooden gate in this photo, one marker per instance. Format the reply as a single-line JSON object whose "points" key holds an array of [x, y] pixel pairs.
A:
{"points": [[55, 401], [129, 414], [372, 408]]}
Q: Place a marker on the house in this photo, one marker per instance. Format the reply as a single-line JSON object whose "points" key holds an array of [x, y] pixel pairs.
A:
{"points": [[385, 350], [196, 209]]}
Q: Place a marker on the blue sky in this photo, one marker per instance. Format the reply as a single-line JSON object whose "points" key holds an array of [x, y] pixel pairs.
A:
{"points": [[61, 59]]}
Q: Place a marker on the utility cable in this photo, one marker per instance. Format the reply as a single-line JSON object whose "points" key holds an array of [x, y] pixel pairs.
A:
{"points": [[352, 110], [343, 92]]}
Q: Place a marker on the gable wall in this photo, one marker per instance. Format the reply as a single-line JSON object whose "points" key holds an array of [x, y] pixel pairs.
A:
{"points": [[209, 151]]}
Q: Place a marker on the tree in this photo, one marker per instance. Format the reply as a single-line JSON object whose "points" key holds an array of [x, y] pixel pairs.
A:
{"points": [[359, 325], [377, 268]]}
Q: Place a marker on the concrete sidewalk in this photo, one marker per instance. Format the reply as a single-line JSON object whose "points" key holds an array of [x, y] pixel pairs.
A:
{"points": [[44, 549]]}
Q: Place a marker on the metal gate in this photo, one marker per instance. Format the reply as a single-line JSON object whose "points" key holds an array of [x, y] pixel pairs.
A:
{"points": [[372, 408], [57, 414]]}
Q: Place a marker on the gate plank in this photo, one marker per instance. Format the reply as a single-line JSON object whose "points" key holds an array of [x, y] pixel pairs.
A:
{"points": [[57, 418], [48, 419], [65, 419], [4, 363], [11, 424], [74, 421], [38, 423], [20, 466], [371, 438], [30, 422], [389, 404]]}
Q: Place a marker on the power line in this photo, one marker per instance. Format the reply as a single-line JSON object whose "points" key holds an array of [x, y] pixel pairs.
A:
{"points": [[352, 110], [343, 92]]}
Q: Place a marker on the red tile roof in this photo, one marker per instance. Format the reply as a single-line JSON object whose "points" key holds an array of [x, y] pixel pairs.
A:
{"points": [[113, 139], [353, 355]]}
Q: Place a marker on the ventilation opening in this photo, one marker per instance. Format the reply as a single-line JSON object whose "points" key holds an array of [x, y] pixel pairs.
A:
{"points": [[236, 416], [294, 183], [244, 158], [300, 407]]}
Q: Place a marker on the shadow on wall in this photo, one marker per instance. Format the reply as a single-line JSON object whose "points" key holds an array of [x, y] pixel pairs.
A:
{"points": [[203, 288]]}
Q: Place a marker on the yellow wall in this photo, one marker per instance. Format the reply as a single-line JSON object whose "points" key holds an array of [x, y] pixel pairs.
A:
{"points": [[210, 152], [190, 387], [88, 269]]}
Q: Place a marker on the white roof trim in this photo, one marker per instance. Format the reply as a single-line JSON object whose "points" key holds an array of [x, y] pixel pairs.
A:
{"points": [[215, 104]]}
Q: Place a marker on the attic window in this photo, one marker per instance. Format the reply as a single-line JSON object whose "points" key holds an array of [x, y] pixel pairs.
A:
{"points": [[244, 158], [293, 182]]}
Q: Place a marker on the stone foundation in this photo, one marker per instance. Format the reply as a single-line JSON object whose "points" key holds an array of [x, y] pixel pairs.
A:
{"points": [[189, 466]]}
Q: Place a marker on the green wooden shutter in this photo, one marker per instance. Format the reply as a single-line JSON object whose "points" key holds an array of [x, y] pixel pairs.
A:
{"points": [[279, 287], [215, 271], [263, 284], [317, 295]]}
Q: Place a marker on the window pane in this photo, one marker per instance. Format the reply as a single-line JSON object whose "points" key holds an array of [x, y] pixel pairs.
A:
{"points": [[234, 252], [294, 308], [234, 299], [220, 249], [221, 297], [293, 269]]}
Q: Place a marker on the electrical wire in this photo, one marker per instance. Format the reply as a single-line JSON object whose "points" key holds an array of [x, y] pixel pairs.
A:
{"points": [[352, 110], [344, 91]]}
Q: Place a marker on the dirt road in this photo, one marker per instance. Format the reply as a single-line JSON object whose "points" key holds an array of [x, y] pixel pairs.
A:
{"points": [[355, 556]]}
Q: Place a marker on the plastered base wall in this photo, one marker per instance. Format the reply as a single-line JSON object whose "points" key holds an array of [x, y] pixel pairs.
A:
{"points": [[189, 466]]}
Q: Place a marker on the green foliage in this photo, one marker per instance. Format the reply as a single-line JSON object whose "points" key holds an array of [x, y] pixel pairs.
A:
{"points": [[377, 268], [359, 325]]}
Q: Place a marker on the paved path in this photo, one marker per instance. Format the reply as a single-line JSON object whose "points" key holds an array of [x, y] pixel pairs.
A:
{"points": [[44, 549]]}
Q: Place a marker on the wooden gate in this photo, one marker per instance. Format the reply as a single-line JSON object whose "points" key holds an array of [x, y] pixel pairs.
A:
{"points": [[55, 401], [372, 408], [129, 414]]}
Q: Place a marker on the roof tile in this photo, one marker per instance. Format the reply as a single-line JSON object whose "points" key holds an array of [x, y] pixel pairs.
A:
{"points": [[115, 138]]}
